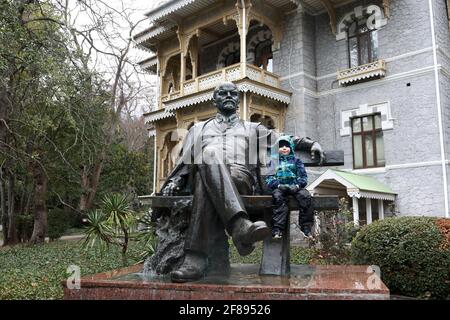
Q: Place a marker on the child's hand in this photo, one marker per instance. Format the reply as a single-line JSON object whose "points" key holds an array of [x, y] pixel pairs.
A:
{"points": [[294, 188], [283, 187]]}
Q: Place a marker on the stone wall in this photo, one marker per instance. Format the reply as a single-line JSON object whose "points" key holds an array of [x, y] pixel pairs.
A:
{"points": [[307, 63], [294, 63]]}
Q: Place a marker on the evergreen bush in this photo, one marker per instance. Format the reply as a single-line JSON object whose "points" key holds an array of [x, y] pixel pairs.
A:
{"points": [[413, 254]]}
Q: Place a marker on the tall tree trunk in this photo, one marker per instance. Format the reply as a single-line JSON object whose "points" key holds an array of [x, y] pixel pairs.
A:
{"points": [[89, 183], [4, 107], [4, 212], [95, 179], [40, 207], [125, 245], [26, 232], [12, 228], [85, 188]]}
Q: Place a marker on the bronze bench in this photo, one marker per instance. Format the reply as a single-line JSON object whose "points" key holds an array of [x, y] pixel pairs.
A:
{"points": [[276, 253]]}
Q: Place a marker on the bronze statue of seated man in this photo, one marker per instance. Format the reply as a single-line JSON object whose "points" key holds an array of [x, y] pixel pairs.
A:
{"points": [[220, 160]]}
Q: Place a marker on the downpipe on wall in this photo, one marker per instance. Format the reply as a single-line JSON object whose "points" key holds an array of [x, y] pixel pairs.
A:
{"points": [[439, 109]]}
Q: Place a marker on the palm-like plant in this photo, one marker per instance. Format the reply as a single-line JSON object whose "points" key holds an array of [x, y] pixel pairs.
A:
{"points": [[97, 231], [120, 217], [112, 224]]}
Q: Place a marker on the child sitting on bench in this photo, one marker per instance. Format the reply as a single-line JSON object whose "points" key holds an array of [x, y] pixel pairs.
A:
{"points": [[288, 177]]}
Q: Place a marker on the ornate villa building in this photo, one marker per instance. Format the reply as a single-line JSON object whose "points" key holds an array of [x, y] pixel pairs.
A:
{"points": [[371, 78]]}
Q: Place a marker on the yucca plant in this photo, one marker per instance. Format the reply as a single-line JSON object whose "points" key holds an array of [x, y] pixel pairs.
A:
{"points": [[121, 217], [98, 232], [112, 224]]}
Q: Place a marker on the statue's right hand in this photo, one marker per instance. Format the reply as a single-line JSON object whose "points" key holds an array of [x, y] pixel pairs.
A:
{"points": [[170, 189]]}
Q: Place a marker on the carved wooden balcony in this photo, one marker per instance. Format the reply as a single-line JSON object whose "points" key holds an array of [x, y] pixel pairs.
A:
{"points": [[200, 89], [373, 70]]}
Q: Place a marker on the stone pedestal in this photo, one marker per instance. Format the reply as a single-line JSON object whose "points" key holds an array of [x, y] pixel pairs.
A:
{"points": [[304, 283]]}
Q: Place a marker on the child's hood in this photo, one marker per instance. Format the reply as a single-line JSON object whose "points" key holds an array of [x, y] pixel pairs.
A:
{"points": [[287, 138]]}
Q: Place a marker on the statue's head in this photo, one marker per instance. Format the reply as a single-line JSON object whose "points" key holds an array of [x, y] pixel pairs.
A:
{"points": [[226, 98]]}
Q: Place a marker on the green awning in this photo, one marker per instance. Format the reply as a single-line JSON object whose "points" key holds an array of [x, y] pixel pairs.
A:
{"points": [[366, 183], [353, 184]]}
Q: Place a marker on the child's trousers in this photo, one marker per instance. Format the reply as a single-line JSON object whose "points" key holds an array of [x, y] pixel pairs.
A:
{"points": [[281, 210]]}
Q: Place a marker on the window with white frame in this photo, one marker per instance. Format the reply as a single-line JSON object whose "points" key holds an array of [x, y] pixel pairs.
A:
{"points": [[368, 144]]}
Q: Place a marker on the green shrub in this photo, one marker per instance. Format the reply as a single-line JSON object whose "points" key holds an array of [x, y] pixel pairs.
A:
{"points": [[58, 223], [413, 254], [337, 230]]}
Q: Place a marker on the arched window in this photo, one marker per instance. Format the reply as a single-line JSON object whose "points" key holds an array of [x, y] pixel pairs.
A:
{"points": [[362, 43], [264, 56]]}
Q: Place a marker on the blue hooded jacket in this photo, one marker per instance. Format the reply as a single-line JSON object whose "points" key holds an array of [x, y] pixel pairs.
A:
{"points": [[287, 170]]}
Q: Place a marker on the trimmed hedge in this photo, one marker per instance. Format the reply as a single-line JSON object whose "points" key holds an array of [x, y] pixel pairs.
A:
{"points": [[413, 254]]}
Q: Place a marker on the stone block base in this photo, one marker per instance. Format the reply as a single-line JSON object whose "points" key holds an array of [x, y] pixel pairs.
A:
{"points": [[244, 283]]}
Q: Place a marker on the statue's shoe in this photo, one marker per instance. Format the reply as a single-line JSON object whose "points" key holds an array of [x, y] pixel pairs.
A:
{"points": [[193, 268], [187, 274], [246, 233]]}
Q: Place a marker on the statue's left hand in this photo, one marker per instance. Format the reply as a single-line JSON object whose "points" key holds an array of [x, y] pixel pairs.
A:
{"points": [[316, 149], [170, 189]]}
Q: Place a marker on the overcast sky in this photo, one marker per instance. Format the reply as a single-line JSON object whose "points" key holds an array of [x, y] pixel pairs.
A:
{"points": [[135, 9]]}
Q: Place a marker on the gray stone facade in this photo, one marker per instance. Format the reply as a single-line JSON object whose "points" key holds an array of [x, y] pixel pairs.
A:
{"points": [[308, 60], [414, 134]]}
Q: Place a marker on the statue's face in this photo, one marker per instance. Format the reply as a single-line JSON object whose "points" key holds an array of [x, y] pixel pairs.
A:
{"points": [[226, 98]]}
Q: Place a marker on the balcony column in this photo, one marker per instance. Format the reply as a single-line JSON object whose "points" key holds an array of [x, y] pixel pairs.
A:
{"points": [[161, 73], [193, 53], [155, 164], [369, 211], [183, 52], [355, 211], [380, 210], [243, 25], [182, 72]]}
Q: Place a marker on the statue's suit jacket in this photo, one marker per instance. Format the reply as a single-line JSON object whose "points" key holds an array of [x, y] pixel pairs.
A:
{"points": [[260, 141]]}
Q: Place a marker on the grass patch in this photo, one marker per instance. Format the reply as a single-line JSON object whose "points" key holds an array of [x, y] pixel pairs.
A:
{"points": [[36, 272], [74, 231]]}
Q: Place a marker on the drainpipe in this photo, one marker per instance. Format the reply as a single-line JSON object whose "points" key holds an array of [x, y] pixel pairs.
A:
{"points": [[439, 110]]}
